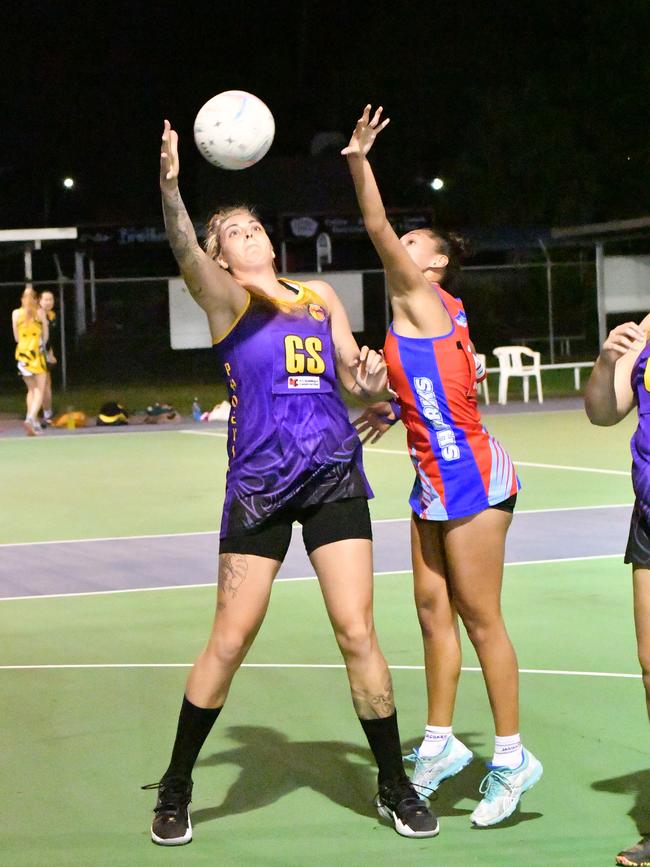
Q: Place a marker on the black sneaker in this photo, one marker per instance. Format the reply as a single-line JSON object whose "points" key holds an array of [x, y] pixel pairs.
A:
{"points": [[398, 802], [637, 855], [171, 824]]}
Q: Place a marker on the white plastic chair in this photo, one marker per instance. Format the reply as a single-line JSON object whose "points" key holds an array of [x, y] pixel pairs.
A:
{"points": [[483, 386], [511, 364]]}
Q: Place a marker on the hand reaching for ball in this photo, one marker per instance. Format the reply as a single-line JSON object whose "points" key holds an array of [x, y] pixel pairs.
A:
{"points": [[169, 165]]}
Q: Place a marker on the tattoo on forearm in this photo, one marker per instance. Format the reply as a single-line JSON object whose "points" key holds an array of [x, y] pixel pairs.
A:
{"points": [[180, 231], [233, 570]]}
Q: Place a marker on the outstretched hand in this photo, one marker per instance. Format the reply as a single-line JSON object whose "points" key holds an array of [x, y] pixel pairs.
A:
{"points": [[374, 421], [169, 165], [621, 339], [370, 373], [365, 132]]}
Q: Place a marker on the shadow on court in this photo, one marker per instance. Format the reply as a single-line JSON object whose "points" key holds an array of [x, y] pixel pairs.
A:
{"points": [[272, 766], [637, 784]]}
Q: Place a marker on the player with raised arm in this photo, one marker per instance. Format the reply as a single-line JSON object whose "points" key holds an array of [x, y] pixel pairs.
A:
{"points": [[293, 455], [462, 500]]}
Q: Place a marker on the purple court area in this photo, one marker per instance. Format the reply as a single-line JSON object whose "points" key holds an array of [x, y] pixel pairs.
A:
{"points": [[167, 561]]}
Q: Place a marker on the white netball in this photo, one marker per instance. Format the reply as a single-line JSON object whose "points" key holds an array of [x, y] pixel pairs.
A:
{"points": [[234, 130]]}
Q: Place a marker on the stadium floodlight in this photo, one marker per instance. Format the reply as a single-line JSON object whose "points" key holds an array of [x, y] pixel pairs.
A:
{"points": [[437, 184], [68, 183]]}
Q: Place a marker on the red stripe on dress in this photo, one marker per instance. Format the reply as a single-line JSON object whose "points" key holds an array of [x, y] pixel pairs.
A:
{"points": [[417, 432]]}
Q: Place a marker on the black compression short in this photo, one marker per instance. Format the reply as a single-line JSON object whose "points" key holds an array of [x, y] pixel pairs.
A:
{"points": [[506, 505], [638, 544], [321, 525]]}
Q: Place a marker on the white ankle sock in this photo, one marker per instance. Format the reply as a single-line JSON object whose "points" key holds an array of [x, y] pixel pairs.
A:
{"points": [[508, 751], [435, 738]]}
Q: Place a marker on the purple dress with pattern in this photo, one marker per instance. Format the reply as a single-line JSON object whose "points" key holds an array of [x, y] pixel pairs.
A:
{"points": [[290, 441], [640, 442]]}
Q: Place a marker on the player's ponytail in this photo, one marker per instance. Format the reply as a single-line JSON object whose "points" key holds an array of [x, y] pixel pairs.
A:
{"points": [[455, 248]]}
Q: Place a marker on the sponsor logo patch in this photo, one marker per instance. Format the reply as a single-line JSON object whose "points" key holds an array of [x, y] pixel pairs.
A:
{"points": [[317, 312], [302, 382], [461, 319]]}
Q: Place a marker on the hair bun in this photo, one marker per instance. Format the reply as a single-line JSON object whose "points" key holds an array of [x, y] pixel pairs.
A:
{"points": [[459, 245]]}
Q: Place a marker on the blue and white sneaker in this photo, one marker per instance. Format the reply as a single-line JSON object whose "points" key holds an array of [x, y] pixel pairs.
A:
{"points": [[430, 771], [503, 787]]}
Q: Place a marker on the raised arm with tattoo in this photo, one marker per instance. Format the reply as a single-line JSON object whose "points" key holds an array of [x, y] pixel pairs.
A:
{"points": [[210, 285]]}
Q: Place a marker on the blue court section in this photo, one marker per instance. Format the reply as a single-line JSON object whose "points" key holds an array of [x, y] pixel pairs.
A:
{"points": [[167, 561]]}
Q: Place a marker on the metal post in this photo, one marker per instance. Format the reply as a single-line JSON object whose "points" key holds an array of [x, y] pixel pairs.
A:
{"points": [[27, 257], [93, 290], [549, 300], [64, 355], [323, 251], [80, 295], [600, 293]]}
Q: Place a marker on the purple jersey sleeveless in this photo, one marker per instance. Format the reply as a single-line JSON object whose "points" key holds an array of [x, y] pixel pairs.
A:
{"points": [[640, 443], [290, 441]]}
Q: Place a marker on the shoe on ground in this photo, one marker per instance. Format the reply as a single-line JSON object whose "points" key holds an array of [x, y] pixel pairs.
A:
{"points": [[637, 855], [171, 824], [410, 815], [31, 429], [503, 787], [430, 771]]}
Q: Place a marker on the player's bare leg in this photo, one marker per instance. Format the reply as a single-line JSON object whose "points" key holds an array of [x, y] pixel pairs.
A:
{"points": [[345, 572], [243, 592], [440, 755]]}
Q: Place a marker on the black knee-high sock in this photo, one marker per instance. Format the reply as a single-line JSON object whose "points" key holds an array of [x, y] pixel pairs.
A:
{"points": [[383, 737], [194, 724]]}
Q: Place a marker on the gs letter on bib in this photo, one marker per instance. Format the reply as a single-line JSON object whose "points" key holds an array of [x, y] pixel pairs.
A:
{"points": [[299, 362]]}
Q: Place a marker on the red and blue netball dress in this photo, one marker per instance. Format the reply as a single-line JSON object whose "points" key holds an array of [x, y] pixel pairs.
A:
{"points": [[460, 469], [290, 441]]}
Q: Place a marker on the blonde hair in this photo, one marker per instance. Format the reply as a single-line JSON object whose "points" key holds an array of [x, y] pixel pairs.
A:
{"points": [[216, 221], [30, 294]]}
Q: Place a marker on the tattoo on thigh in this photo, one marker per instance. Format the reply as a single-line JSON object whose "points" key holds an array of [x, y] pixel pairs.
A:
{"points": [[233, 570]]}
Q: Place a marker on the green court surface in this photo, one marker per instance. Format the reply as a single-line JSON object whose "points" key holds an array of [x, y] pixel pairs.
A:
{"points": [[286, 777]]}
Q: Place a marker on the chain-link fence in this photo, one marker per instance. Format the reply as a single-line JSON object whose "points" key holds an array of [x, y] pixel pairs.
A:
{"points": [[127, 337]]}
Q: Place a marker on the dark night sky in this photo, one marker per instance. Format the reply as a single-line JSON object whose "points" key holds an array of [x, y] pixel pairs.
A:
{"points": [[534, 113]]}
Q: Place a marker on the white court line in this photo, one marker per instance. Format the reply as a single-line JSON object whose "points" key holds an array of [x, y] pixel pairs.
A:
{"points": [[404, 453], [369, 450], [267, 665], [528, 511], [70, 437], [204, 433], [110, 539], [214, 532], [574, 469], [213, 584]]}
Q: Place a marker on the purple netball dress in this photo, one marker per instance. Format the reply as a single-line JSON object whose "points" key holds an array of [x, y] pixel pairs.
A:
{"points": [[640, 443], [638, 545], [290, 441]]}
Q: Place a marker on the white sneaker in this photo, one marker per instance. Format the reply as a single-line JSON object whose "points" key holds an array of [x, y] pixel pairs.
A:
{"points": [[503, 787], [430, 771]]}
